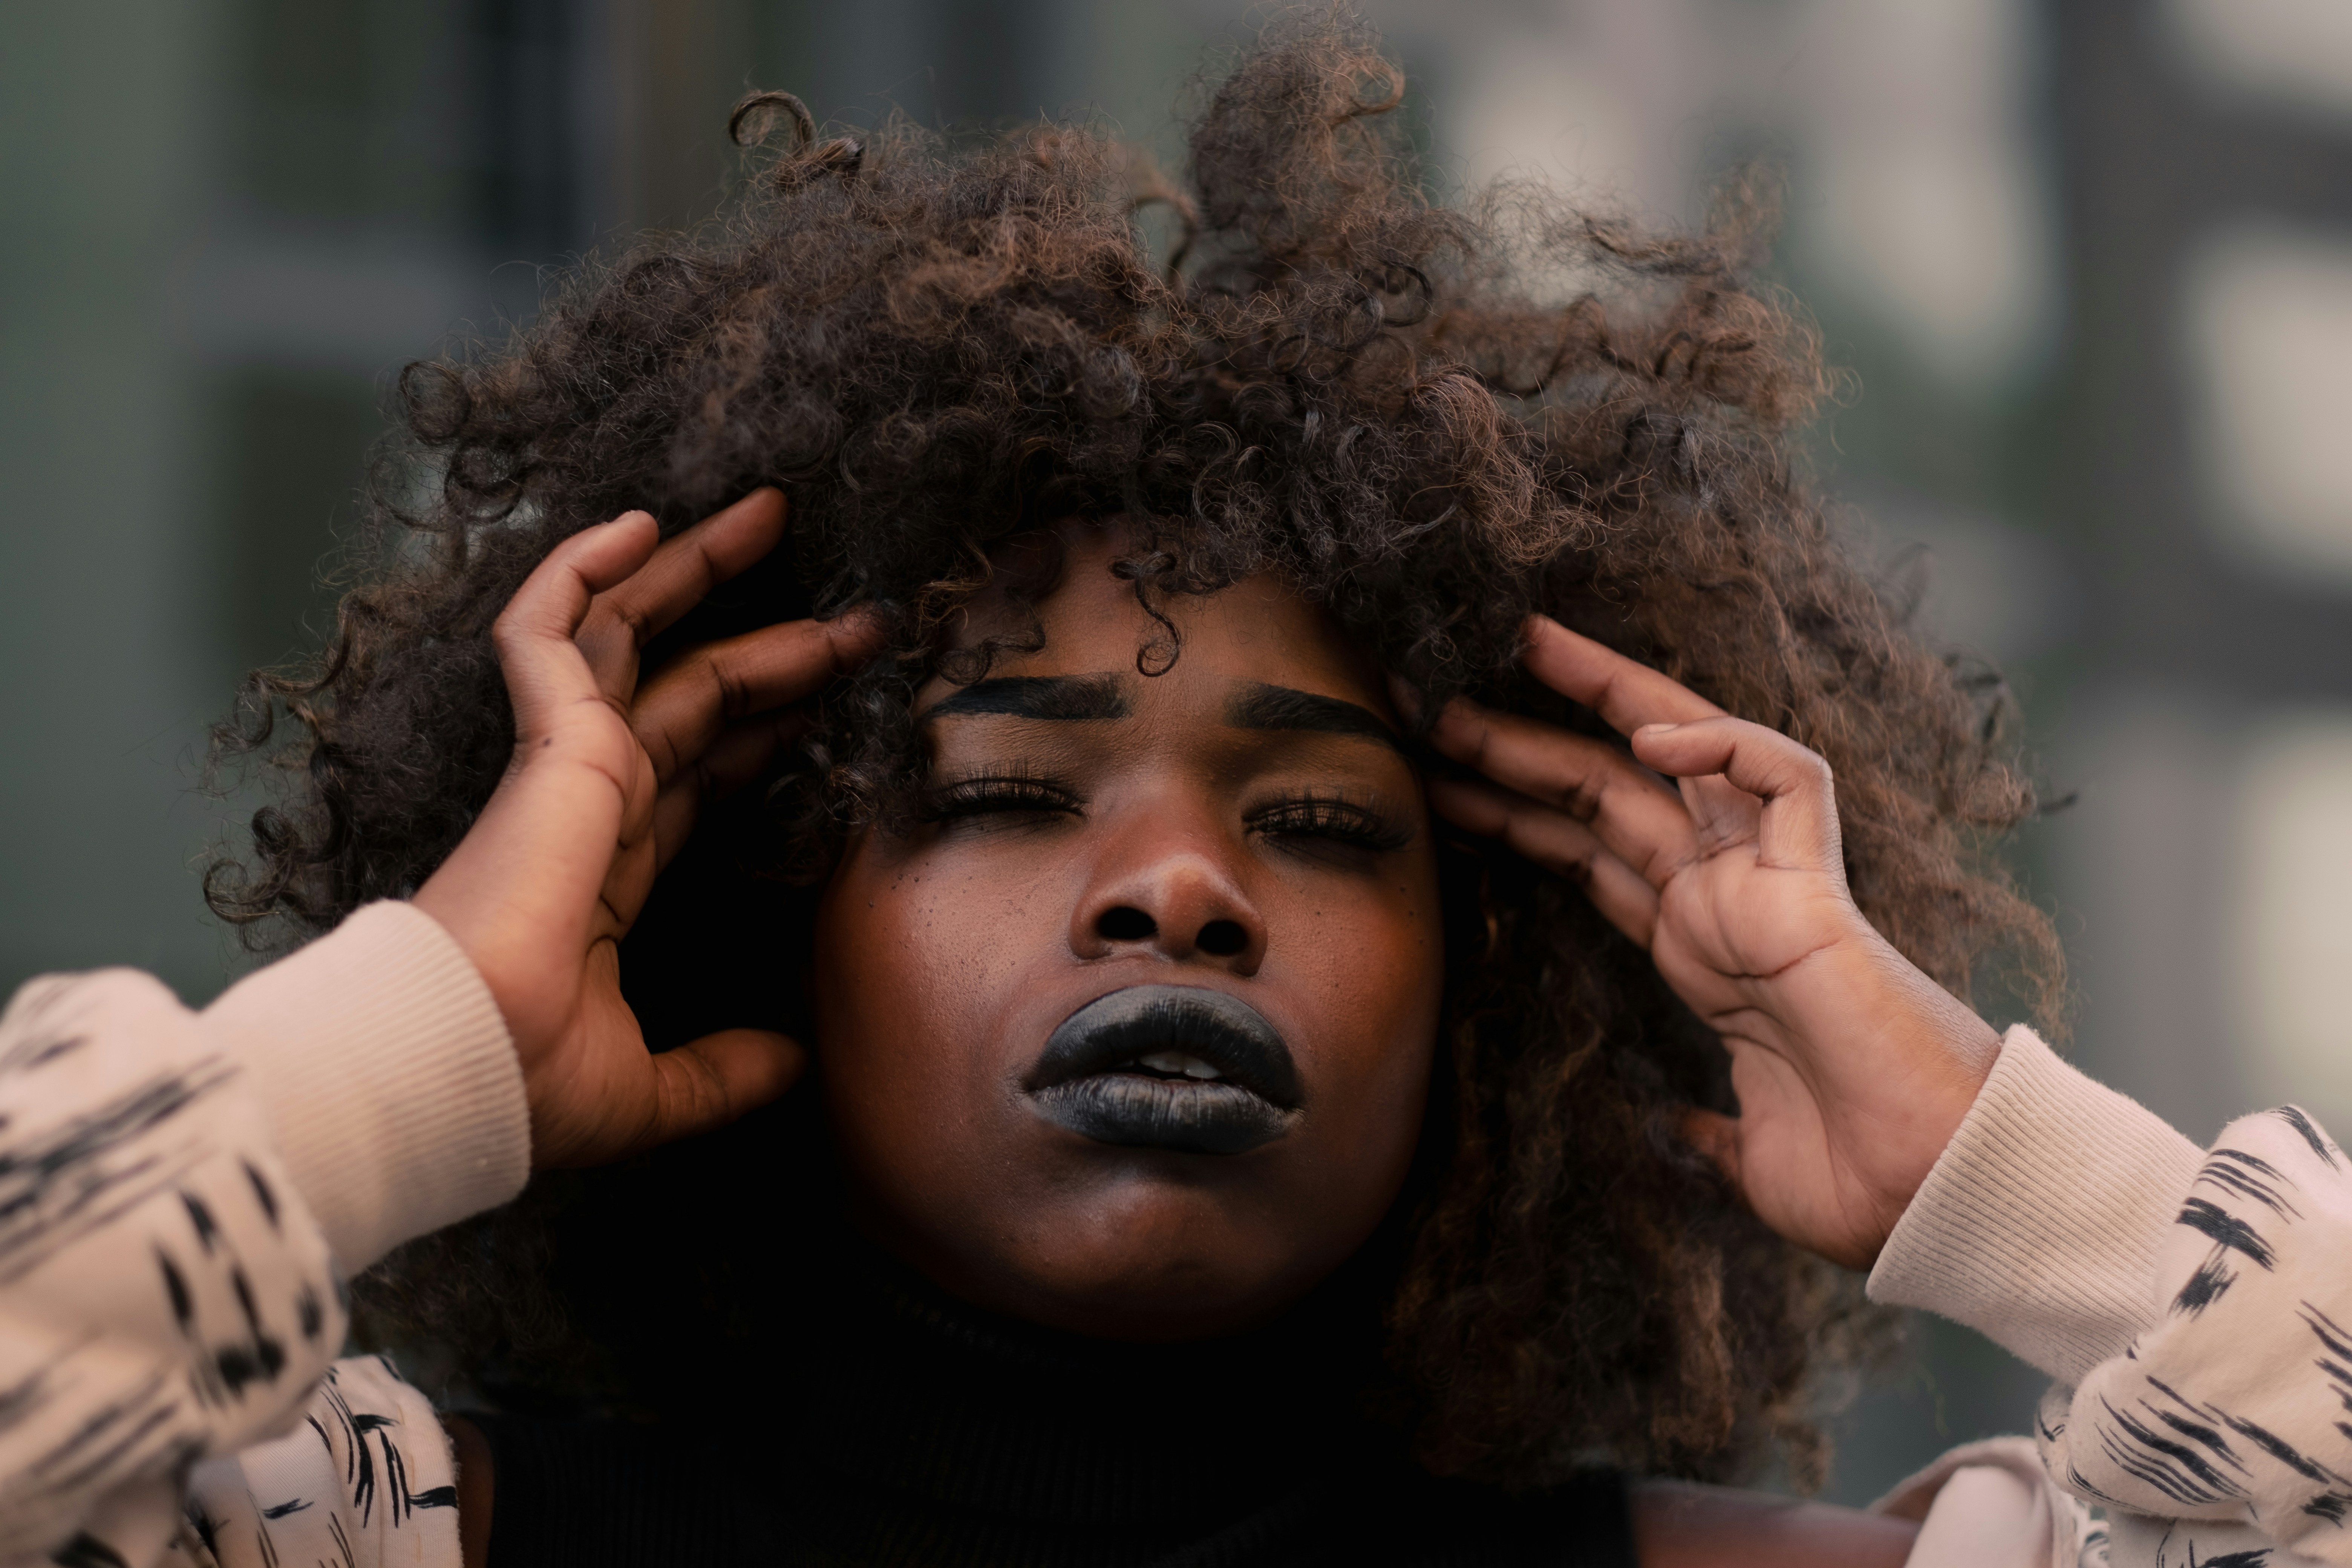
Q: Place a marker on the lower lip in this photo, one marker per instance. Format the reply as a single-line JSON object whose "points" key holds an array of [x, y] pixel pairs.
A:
{"points": [[1190, 1115]]}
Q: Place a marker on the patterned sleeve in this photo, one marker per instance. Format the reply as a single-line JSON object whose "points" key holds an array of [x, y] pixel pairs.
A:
{"points": [[365, 1480], [164, 1293], [2224, 1430], [2195, 1308], [180, 1195]]}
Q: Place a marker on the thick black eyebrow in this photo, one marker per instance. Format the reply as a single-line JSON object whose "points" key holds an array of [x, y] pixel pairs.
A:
{"points": [[1258, 706], [1084, 698]]}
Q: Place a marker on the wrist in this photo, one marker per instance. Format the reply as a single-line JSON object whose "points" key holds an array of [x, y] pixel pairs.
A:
{"points": [[1933, 1061], [1891, 1063]]}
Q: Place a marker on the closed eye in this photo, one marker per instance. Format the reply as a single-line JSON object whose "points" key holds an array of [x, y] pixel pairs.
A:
{"points": [[998, 795], [1309, 818]]}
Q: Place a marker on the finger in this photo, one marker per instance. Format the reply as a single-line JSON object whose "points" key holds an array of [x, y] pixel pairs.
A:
{"points": [[1558, 843], [1625, 693], [533, 636], [708, 1083], [673, 581], [685, 707], [1716, 1136], [726, 766], [1641, 821], [1404, 699], [1798, 823]]}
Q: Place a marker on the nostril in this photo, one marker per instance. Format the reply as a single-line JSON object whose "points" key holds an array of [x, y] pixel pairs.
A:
{"points": [[1222, 939], [1125, 924]]}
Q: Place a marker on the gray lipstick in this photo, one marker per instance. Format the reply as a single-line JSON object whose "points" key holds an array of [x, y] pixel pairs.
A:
{"points": [[1110, 1073]]}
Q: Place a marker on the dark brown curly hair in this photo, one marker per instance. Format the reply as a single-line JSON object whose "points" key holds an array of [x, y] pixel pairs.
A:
{"points": [[934, 344]]}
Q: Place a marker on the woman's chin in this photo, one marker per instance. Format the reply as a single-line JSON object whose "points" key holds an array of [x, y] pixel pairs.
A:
{"points": [[1147, 1272], [1149, 1303]]}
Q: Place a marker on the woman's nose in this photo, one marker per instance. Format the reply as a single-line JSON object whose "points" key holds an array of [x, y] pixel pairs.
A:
{"points": [[1178, 901]]}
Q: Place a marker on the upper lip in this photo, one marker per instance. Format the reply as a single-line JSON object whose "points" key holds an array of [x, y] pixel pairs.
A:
{"points": [[1114, 1030]]}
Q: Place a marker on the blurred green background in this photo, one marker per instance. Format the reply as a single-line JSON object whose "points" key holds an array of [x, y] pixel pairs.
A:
{"points": [[2090, 260]]}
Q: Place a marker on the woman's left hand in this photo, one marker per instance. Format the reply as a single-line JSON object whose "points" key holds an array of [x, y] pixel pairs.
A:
{"points": [[1852, 1067]]}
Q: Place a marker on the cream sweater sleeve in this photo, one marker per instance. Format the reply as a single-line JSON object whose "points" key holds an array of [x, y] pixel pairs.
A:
{"points": [[390, 1085], [182, 1194], [2195, 1307], [2039, 1225]]}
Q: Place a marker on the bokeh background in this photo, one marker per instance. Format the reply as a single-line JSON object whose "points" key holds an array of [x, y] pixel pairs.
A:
{"points": [[2089, 260]]}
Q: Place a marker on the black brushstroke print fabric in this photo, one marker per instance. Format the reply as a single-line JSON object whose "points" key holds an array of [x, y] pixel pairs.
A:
{"points": [[165, 1296], [365, 1480], [2222, 1436]]}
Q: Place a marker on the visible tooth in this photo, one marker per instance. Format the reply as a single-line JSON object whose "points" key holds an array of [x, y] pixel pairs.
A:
{"points": [[1179, 1062]]}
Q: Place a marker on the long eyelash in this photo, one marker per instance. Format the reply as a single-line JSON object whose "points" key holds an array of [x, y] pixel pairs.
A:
{"points": [[1308, 814], [997, 790]]}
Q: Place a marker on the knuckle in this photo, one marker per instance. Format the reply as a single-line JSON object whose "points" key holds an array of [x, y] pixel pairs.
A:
{"points": [[733, 692], [628, 616], [707, 1088], [1474, 735], [845, 640], [1583, 797]]}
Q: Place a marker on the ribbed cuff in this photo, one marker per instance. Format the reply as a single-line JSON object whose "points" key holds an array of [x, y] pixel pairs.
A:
{"points": [[2039, 1225], [388, 1076]]}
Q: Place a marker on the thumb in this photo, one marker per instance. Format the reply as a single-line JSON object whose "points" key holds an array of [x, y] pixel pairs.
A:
{"points": [[1716, 1136], [708, 1083]]}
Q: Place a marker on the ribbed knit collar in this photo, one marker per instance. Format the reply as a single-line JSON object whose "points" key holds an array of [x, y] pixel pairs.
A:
{"points": [[915, 1393], [876, 1423]]}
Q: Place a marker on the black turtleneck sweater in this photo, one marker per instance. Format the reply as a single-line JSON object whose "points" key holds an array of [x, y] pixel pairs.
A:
{"points": [[915, 1430]]}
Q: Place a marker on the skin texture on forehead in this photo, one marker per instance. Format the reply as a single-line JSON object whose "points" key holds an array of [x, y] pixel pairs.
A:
{"points": [[1244, 822]]}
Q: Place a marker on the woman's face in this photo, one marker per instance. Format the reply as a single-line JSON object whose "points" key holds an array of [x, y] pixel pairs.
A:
{"points": [[1131, 1035]]}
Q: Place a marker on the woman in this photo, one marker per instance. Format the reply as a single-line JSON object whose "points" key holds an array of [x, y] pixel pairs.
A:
{"points": [[1234, 1138]]}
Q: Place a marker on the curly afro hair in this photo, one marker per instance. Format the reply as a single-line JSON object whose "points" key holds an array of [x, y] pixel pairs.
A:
{"points": [[935, 344]]}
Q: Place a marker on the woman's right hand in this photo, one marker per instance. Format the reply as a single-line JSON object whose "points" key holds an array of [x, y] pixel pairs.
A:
{"points": [[604, 784]]}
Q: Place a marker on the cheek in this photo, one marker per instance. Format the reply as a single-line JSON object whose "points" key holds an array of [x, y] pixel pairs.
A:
{"points": [[915, 963], [1369, 972]]}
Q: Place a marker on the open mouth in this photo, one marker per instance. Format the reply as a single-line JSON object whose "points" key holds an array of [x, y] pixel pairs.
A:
{"points": [[1169, 1067]]}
